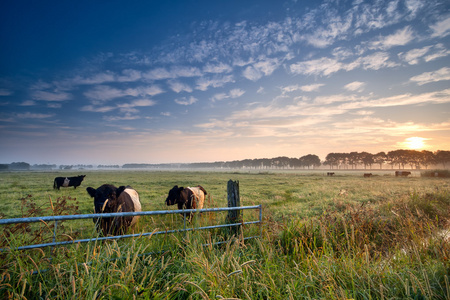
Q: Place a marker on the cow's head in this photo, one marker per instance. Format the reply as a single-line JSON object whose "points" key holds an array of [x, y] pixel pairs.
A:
{"points": [[105, 197], [174, 195]]}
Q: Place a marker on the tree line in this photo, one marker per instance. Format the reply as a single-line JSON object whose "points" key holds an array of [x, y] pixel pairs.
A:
{"points": [[353, 160]]}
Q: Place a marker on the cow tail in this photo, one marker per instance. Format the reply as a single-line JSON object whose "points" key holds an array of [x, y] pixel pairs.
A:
{"points": [[54, 184]]}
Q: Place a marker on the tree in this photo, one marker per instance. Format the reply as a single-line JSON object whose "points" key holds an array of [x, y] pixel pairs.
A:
{"points": [[332, 160], [380, 158], [428, 158], [442, 157], [309, 160], [19, 166], [366, 159], [400, 157]]}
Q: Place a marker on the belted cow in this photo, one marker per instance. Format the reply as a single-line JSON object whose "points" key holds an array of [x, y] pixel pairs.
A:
{"points": [[402, 173], [110, 199], [187, 198], [68, 181]]}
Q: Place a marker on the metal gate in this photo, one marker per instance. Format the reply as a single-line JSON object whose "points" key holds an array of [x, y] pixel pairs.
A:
{"points": [[124, 214]]}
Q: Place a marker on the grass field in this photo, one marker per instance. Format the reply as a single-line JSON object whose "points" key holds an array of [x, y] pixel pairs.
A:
{"points": [[336, 237]]}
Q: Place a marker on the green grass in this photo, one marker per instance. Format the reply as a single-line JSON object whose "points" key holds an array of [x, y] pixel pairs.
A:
{"points": [[341, 237]]}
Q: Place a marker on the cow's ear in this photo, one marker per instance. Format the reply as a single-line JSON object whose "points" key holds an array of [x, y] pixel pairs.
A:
{"points": [[120, 190], [180, 189], [91, 191]]}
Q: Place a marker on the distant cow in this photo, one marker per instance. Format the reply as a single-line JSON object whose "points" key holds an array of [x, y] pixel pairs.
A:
{"points": [[330, 173], [68, 181], [402, 173], [367, 174], [110, 199], [187, 198]]}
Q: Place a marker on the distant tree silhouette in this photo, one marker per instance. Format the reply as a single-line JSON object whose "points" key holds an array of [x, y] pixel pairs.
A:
{"points": [[380, 158], [310, 160], [442, 157]]}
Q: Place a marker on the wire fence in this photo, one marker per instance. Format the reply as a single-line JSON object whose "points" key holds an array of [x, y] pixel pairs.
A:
{"points": [[129, 214]]}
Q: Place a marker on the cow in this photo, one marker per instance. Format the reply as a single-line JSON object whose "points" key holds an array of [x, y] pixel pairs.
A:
{"points": [[110, 199], [68, 181], [187, 198], [402, 173], [330, 173], [367, 174]]}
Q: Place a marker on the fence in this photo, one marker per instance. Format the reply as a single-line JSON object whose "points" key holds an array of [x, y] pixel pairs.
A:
{"points": [[143, 213]]}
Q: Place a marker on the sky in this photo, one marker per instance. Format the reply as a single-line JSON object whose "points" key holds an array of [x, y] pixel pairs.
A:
{"points": [[115, 82]]}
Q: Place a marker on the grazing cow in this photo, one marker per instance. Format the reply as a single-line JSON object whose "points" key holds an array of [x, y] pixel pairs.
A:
{"points": [[330, 173], [402, 173], [110, 199], [187, 198], [68, 181], [367, 174]]}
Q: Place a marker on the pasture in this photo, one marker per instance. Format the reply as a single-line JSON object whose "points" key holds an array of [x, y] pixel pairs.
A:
{"points": [[343, 236]]}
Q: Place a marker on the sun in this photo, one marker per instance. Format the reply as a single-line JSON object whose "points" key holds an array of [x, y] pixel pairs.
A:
{"points": [[415, 142]]}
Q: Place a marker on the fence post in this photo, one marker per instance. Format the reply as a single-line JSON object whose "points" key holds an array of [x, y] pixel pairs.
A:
{"points": [[234, 200]]}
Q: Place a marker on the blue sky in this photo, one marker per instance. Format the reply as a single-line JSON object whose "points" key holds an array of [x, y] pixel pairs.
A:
{"points": [[113, 82]]}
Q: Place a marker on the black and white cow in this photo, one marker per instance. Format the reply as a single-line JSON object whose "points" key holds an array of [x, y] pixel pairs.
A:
{"points": [[68, 181], [110, 199], [402, 173], [187, 198]]}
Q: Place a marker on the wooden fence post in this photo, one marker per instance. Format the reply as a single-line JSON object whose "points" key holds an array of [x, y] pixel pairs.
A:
{"points": [[234, 200]]}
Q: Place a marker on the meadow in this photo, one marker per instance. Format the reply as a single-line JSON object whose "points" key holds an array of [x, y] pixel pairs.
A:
{"points": [[340, 237]]}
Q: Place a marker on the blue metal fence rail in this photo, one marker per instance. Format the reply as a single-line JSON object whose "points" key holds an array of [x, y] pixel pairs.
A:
{"points": [[125, 214]]}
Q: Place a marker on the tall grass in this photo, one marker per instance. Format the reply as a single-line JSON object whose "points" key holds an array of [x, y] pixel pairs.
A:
{"points": [[391, 245]]}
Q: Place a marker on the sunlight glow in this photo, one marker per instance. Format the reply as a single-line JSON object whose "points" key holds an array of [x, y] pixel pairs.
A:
{"points": [[415, 143]]}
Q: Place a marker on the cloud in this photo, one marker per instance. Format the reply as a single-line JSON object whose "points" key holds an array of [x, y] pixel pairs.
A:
{"points": [[29, 115], [399, 38], [322, 66], [173, 73], [28, 103], [234, 93], [442, 28], [179, 87], [311, 87], [219, 97], [104, 93], [355, 86], [186, 101], [304, 88], [129, 75], [103, 109], [373, 61], [217, 68], [204, 83], [5, 92], [336, 27], [138, 103], [438, 51], [412, 56], [127, 117], [165, 114], [99, 78], [50, 96], [427, 77], [264, 67]]}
